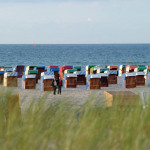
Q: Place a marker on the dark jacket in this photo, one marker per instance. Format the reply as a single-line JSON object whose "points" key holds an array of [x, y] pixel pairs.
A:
{"points": [[58, 82]]}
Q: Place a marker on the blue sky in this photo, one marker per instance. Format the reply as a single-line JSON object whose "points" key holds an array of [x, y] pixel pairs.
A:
{"points": [[74, 21]]}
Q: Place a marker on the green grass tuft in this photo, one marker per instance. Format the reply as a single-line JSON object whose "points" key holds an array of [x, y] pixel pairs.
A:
{"points": [[62, 126]]}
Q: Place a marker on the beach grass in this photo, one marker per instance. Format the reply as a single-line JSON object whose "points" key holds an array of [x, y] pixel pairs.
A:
{"points": [[62, 126]]}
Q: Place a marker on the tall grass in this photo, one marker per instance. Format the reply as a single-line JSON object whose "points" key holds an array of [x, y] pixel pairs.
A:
{"points": [[61, 126]]}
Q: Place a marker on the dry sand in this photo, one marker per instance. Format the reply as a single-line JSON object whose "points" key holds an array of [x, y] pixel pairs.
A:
{"points": [[76, 96]]}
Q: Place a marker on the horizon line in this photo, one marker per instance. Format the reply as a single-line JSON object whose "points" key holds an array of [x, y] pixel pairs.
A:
{"points": [[69, 43]]}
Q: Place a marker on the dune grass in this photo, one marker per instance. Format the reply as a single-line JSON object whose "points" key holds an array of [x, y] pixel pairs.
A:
{"points": [[61, 126]]}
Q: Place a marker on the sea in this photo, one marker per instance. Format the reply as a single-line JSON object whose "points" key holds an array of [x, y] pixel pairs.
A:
{"points": [[74, 54]]}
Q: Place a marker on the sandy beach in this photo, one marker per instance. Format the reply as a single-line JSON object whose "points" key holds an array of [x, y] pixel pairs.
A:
{"points": [[77, 96]]}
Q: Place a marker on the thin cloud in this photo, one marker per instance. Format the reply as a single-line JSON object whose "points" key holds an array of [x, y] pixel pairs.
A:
{"points": [[41, 21], [79, 21], [89, 19]]}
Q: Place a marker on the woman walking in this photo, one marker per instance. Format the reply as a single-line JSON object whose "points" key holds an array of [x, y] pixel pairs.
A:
{"points": [[59, 84]]}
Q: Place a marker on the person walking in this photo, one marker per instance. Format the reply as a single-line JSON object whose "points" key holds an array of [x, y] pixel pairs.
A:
{"points": [[59, 84], [54, 84]]}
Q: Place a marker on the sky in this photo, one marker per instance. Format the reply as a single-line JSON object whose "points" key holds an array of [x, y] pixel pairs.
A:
{"points": [[74, 21]]}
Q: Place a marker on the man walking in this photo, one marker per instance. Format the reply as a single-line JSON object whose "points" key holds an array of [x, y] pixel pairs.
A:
{"points": [[54, 84], [59, 84]]}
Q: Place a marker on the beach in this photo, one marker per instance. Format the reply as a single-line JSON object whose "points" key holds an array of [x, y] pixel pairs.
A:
{"points": [[74, 75], [77, 96]]}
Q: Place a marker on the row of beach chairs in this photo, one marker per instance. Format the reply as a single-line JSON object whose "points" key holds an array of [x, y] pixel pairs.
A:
{"points": [[94, 77]]}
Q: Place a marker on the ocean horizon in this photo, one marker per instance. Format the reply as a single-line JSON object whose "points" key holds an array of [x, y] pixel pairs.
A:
{"points": [[74, 54]]}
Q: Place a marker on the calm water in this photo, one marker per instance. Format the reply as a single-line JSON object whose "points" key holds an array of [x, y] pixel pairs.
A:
{"points": [[12, 55]]}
